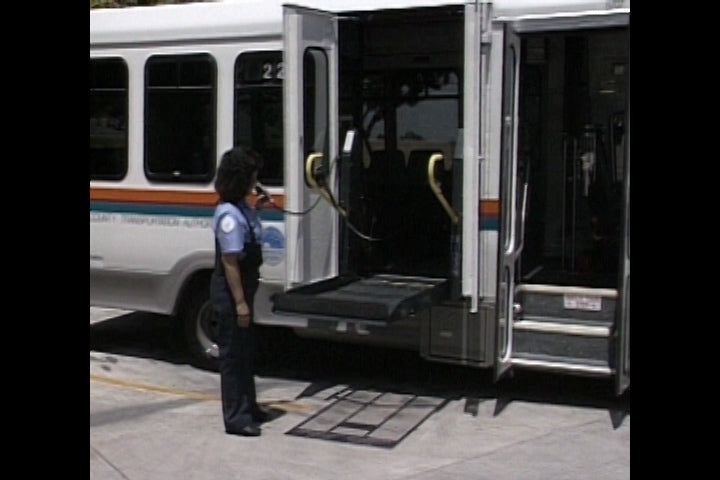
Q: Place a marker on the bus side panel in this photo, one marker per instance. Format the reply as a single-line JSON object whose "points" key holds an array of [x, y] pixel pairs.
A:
{"points": [[148, 276], [139, 262]]}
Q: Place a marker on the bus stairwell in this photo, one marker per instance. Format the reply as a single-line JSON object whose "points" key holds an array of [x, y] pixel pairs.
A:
{"points": [[563, 312]]}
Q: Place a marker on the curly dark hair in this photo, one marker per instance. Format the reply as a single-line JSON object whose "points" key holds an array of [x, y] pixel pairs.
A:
{"points": [[235, 173]]}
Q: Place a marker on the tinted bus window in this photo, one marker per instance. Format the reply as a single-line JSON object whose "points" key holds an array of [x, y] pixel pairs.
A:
{"points": [[180, 118], [315, 101], [427, 104], [108, 119], [258, 110]]}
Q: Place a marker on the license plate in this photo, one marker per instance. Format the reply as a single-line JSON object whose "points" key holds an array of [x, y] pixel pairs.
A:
{"points": [[582, 302]]}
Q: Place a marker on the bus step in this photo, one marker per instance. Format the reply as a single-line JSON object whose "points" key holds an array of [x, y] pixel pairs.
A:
{"points": [[589, 328], [572, 303], [578, 342], [562, 364]]}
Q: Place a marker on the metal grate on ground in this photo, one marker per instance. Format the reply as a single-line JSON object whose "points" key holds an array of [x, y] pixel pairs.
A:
{"points": [[367, 417]]}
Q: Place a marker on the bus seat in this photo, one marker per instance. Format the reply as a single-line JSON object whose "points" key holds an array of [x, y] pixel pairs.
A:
{"points": [[386, 180], [386, 174]]}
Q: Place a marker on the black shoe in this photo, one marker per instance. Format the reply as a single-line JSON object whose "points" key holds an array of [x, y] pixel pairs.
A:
{"points": [[248, 431], [260, 415]]}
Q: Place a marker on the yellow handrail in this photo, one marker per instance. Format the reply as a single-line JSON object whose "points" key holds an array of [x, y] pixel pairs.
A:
{"points": [[434, 158]]}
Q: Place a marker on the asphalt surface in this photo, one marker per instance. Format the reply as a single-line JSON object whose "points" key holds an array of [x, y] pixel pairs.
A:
{"points": [[341, 412]]}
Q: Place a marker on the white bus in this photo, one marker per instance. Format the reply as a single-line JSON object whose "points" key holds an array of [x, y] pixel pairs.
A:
{"points": [[449, 176]]}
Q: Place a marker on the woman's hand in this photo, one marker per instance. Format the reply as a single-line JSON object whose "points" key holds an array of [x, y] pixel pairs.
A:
{"points": [[243, 314]]}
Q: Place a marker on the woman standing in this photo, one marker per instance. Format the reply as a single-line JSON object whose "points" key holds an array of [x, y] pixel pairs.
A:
{"points": [[238, 256]]}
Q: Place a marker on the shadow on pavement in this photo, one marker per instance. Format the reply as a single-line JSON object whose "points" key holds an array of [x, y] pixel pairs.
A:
{"points": [[324, 364], [143, 335]]}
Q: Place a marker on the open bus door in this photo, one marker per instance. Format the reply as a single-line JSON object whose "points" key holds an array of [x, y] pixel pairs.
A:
{"points": [[563, 288], [315, 288], [622, 374], [513, 197], [310, 90]]}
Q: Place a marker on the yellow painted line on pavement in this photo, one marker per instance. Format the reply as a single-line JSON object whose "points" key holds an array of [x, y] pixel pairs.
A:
{"points": [[288, 406], [152, 388], [285, 405]]}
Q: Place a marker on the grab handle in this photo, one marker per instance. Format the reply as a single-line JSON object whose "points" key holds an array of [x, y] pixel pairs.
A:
{"points": [[310, 175], [434, 158]]}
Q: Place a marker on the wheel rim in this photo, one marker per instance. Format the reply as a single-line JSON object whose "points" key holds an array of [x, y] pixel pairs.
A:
{"points": [[207, 330]]}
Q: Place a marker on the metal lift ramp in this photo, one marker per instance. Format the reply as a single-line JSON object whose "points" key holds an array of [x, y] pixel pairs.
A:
{"points": [[379, 299]]}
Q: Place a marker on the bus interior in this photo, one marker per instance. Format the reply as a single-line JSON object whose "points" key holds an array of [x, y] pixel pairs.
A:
{"points": [[401, 86], [401, 89], [400, 83], [572, 107]]}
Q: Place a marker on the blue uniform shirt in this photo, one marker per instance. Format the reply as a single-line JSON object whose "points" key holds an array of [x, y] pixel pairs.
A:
{"points": [[231, 227]]}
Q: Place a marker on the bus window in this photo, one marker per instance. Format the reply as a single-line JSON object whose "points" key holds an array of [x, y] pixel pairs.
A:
{"points": [[258, 110], [430, 110], [108, 119], [315, 101], [180, 118], [411, 107], [508, 142]]}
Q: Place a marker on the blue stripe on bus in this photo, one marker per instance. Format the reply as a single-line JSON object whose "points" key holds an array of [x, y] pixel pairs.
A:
{"points": [[149, 209], [268, 215], [271, 215], [173, 210], [490, 224]]}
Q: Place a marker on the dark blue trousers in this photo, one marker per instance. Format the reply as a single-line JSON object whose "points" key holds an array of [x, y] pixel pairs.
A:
{"points": [[237, 349]]}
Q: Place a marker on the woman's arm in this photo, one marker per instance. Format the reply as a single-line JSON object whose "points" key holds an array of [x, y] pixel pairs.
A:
{"points": [[232, 273]]}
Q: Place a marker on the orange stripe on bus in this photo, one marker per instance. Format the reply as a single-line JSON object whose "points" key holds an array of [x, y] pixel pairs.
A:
{"points": [[490, 208], [172, 197]]}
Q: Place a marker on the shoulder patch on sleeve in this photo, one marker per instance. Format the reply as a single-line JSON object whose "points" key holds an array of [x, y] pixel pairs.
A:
{"points": [[227, 224]]}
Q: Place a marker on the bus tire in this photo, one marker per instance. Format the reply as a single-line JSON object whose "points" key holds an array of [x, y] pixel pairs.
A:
{"points": [[200, 329]]}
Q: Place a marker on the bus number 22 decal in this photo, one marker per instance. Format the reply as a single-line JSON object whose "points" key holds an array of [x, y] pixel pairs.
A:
{"points": [[273, 72]]}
